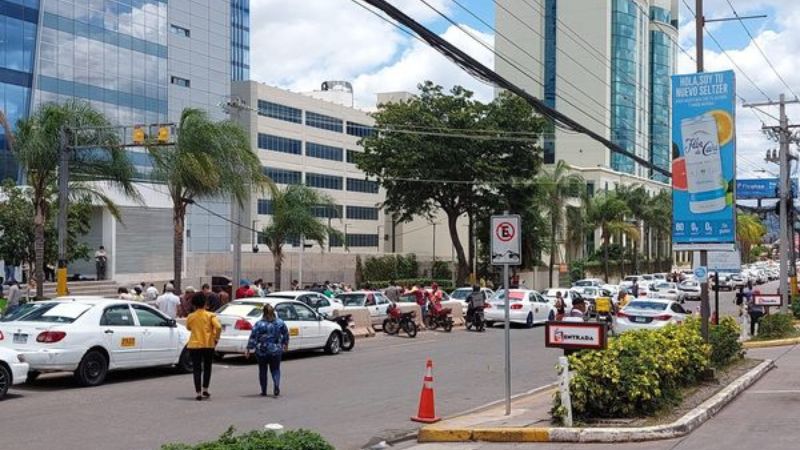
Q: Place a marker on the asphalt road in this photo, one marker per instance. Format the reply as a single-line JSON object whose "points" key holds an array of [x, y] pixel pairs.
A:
{"points": [[353, 398]]}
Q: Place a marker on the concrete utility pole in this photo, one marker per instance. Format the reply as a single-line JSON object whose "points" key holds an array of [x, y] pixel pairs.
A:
{"points": [[783, 131], [63, 201]]}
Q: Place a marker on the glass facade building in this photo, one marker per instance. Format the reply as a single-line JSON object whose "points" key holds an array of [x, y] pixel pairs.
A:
{"points": [[661, 64], [240, 40], [625, 48]]}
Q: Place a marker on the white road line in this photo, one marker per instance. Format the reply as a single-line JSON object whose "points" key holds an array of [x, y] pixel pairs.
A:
{"points": [[775, 391]]}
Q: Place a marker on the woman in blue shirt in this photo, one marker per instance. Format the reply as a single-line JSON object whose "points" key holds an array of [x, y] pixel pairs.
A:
{"points": [[268, 340]]}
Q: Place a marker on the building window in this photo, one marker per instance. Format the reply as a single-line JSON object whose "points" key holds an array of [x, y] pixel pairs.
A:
{"points": [[280, 144], [590, 189], [352, 155], [625, 65], [281, 176], [319, 180], [324, 122], [335, 240], [359, 130], [355, 185], [362, 213], [362, 240], [180, 31], [180, 81], [280, 112], [264, 207], [323, 151], [327, 211]]}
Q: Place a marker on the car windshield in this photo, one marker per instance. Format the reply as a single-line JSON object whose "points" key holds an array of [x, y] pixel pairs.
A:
{"points": [[56, 312], [647, 306], [631, 278], [584, 283], [353, 299], [461, 294], [242, 309], [22, 311], [282, 296]]}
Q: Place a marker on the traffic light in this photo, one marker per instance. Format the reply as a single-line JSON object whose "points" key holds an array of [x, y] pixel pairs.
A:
{"points": [[163, 134], [138, 135]]}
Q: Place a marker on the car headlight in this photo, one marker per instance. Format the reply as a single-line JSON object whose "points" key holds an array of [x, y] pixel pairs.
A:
{"points": [[21, 357]]}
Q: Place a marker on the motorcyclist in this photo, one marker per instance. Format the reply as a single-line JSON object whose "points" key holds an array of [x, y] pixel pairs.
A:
{"points": [[475, 301]]}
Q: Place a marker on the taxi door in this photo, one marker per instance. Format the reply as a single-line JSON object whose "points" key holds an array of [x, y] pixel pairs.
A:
{"points": [[309, 326], [287, 313], [160, 340], [122, 337]]}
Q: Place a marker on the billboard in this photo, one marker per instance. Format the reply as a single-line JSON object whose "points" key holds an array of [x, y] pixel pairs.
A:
{"points": [[760, 188], [704, 160]]}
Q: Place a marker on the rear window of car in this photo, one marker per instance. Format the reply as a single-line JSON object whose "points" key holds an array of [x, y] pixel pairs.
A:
{"points": [[652, 306], [241, 309], [352, 299], [21, 311], [460, 294], [631, 278], [56, 313]]}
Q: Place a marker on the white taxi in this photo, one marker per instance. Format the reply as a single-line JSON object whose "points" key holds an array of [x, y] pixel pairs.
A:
{"points": [[91, 335], [528, 307], [13, 369], [308, 330]]}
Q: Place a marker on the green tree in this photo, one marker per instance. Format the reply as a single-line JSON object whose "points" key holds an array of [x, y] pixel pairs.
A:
{"points": [[559, 185], [37, 147], [424, 172], [209, 159], [657, 216], [293, 218], [636, 197], [749, 232], [607, 211]]}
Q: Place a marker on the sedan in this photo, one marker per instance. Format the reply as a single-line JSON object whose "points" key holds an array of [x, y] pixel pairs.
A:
{"points": [[691, 289], [13, 369], [527, 307], [666, 291], [568, 294], [649, 314], [461, 294], [588, 282], [307, 329], [318, 302], [91, 335], [375, 302]]}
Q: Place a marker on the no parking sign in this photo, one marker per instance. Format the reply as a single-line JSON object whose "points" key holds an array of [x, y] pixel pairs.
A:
{"points": [[506, 248]]}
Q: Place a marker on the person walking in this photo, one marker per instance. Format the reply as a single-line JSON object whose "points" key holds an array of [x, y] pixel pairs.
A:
{"points": [[14, 297], [268, 340], [185, 306], [561, 306], [213, 301], [392, 292], [100, 262], [205, 331], [756, 312], [168, 302]]}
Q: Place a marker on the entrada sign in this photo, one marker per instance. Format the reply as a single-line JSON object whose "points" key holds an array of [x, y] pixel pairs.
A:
{"points": [[576, 335], [767, 300]]}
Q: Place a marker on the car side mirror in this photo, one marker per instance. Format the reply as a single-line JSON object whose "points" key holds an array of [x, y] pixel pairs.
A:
{"points": [[172, 323]]}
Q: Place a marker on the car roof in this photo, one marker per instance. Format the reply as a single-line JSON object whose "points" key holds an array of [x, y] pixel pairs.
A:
{"points": [[89, 300], [359, 292]]}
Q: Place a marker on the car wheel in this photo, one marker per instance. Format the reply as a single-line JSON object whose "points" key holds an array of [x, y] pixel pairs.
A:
{"points": [[184, 362], [529, 320], [489, 324], [92, 370], [5, 380], [33, 375], [348, 340], [334, 345]]}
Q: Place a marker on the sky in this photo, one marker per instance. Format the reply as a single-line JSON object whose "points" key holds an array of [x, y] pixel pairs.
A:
{"points": [[298, 44]]}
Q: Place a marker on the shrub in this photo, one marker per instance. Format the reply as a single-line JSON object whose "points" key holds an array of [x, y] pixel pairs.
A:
{"points": [[796, 307], [576, 271], [724, 340], [290, 440], [440, 270], [776, 326], [391, 266], [639, 373]]}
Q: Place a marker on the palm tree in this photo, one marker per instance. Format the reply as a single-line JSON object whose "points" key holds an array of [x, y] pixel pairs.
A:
{"points": [[636, 198], [749, 232], [209, 159], [293, 218], [578, 226], [558, 185], [657, 215], [607, 211], [37, 148]]}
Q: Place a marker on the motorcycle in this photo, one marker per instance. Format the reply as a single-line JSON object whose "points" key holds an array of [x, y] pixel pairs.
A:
{"points": [[474, 319], [397, 320], [348, 340], [440, 318]]}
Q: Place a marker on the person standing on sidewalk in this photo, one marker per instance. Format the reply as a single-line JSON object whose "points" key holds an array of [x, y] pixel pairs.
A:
{"points": [[269, 339], [755, 311], [100, 262], [168, 302], [205, 331]]}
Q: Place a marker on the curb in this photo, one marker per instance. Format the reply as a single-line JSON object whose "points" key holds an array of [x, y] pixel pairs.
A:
{"points": [[683, 426], [773, 343]]}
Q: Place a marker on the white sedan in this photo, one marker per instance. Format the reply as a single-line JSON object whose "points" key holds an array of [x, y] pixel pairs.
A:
{"points": [[307, 329], [91, 335], [13, 369], [649, 314], [568, 294], [375, 302], [666, 291], [461, 294], [528, 307], [318, 302]]}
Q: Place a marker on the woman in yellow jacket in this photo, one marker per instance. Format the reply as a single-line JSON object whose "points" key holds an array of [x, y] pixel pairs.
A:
{"points": [[205, 329]]}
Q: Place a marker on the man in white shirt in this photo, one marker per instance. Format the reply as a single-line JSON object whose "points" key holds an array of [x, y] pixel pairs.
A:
{"points": [[151, 293], [168, 302]]}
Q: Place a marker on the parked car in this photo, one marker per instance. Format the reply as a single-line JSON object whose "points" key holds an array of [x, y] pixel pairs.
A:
{"points": [[375, 302], [91, 335], [738, 281], [588, 282], [462, 293], [318, 302], [592, 292], [691, 289], [13, 369], [307, 329], [649, 314], [568, 294], [725, 282], [666, 291], [528, 307]]}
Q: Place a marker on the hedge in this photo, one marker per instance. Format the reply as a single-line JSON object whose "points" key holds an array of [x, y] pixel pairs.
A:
{"points": [[724, 340], [290, 440], [776, 326]]}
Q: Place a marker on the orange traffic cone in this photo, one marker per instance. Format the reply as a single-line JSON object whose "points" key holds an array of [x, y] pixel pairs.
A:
{"points": [[426, 412]]}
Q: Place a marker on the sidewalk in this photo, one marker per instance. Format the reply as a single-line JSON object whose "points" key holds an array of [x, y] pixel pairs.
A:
{"points": [[763, 417]]}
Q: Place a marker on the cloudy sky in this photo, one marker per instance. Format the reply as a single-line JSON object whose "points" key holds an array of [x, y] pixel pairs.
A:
{"points": [[298, 44]]}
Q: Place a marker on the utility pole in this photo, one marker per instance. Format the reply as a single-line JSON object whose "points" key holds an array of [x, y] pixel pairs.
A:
{"points": [[237, 246], [705, 307], [63, 202], [783, 131]]}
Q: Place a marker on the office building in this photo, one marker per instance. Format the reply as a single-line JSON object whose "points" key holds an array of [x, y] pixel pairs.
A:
{"points": [[606, 64]]}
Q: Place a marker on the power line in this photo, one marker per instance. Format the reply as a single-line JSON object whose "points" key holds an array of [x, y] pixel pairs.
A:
{"points": [[760, 50]]}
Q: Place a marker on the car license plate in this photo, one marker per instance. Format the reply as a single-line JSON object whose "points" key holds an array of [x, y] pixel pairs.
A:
{"points": [[20, 338], [640, 319]]}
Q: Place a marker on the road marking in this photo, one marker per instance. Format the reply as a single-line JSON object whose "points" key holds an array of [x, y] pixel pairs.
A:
{"points": [[776, 391]]}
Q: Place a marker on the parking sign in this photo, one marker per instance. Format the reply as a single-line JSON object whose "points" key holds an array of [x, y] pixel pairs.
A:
{"points": [[506, 247]]}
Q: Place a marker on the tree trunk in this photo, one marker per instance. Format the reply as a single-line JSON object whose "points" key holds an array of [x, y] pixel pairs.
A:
{"points": [[463, 268], [471, 247], [179, 222], [658, 249], [636, 256], [277, 257], [37, 270], [622, 256], [552, 250], [606, 243]]}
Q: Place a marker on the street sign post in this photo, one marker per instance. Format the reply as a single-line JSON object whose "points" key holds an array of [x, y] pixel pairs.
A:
{"points": [[506, 251]]}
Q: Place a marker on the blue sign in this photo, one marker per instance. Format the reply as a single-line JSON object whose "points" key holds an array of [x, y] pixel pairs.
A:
{"points": [[760, 188], [701, 273], [704, 159]]}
